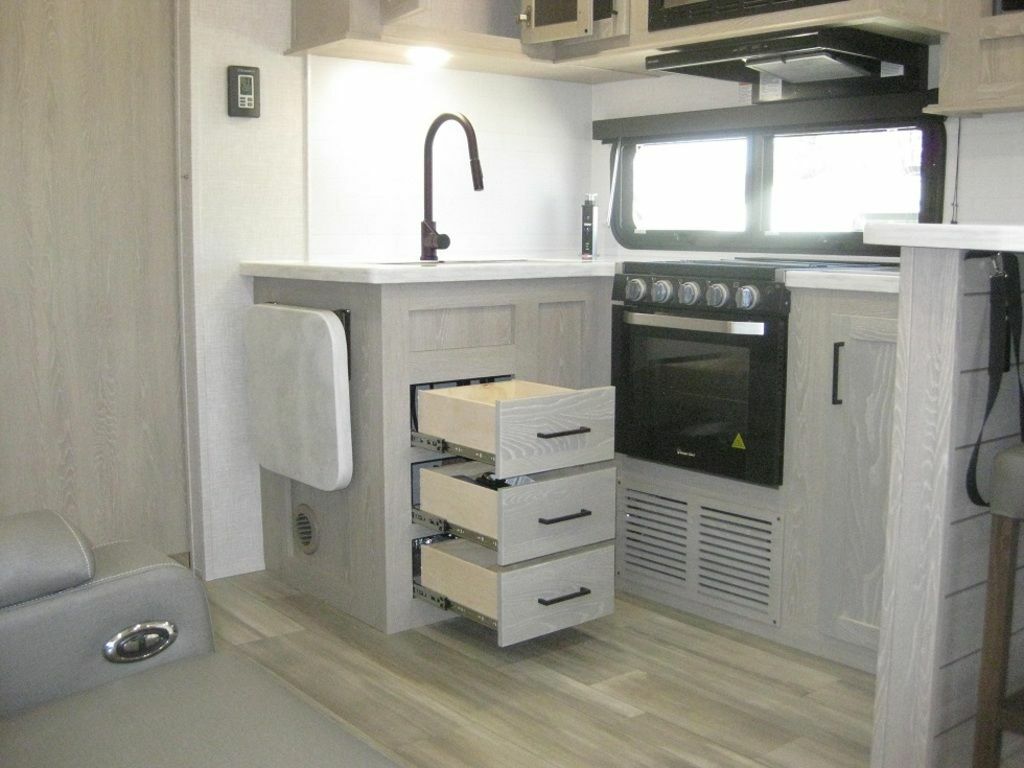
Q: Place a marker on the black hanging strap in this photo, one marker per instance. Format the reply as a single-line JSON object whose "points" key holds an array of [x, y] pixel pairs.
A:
{"points": [[1003, 348]]}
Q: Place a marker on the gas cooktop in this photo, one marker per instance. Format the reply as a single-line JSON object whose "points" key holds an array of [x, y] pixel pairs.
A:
{"points": [[753, 269]]}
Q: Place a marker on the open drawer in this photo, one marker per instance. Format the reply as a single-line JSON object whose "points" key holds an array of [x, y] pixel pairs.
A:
{"points": [[526, 600], [523, 426], [543, 514]]}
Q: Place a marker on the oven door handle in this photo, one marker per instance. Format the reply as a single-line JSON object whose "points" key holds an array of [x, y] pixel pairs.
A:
{"points": [[731, 327]]}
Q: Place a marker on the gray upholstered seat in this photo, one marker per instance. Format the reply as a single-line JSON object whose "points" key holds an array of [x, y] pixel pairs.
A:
{"points": [[209, 712], [63, 704], [1008, 483], [52, 634]]}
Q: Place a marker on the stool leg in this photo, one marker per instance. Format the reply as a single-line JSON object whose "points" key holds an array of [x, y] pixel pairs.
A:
{"points": [[995, 646]]}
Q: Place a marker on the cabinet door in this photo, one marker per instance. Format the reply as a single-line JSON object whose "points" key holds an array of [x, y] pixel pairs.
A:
{"points": [[857, 447], [549, 20]]}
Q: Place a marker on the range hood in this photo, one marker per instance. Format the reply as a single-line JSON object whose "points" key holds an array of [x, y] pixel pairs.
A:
{"points": [[808, 62]]}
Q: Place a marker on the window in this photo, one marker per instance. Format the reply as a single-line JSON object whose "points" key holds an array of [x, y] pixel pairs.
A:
{"points": [[664, 196], [834, 182], [764, 186]]}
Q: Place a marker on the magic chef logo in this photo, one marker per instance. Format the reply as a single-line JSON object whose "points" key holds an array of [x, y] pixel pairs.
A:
{"points": [[737, 444]]}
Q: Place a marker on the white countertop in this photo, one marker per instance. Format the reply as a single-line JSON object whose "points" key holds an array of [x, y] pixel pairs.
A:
{"points": [[427, 272], [871, 280], [981, 237]]}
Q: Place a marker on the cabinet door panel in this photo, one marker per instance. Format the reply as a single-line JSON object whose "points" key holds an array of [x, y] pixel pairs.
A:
{"points": [[858, 448]]}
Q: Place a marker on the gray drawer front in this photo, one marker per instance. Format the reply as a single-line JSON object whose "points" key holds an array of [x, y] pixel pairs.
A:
{"points": [[557, 581], [537, 434], [550, 516], [553, 512]]}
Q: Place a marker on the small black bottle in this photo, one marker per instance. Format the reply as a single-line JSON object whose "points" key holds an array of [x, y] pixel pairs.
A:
{"points": [[589, 229]]}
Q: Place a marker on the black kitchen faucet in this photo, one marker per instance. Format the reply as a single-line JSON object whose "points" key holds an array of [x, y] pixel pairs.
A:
{"points": [[430, 240]]}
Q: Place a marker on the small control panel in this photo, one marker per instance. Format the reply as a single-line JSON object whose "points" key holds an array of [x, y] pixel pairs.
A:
{"points": [[243, 91], [703, 293]]}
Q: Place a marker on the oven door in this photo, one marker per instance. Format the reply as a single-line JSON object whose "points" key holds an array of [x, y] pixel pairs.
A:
{"points": [[702, 392]]}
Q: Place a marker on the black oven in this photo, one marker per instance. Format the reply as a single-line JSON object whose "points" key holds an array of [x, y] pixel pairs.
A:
{"points": [[667, 14], [699, 366]]}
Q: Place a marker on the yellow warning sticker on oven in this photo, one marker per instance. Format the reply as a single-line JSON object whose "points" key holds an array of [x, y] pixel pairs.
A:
{"points": [[738, 443]]}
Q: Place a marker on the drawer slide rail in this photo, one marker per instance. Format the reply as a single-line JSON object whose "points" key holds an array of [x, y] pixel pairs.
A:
{"points": [[443, 526], [445, 604], [439, 444]]}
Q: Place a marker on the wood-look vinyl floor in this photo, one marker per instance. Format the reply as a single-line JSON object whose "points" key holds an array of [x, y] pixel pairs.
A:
{"points": [[646, 686]]}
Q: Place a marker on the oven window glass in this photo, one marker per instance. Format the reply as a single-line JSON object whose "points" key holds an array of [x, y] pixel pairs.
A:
{"points": [[835, 182], [691, 185], [696, 391], [705, 401]]}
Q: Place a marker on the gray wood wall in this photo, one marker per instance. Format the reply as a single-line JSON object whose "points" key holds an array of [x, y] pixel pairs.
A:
{"points": [[937, 541], [90, 379], [967, 539]]}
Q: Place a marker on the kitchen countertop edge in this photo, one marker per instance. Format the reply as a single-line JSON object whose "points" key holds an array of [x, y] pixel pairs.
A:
{"points": [[868, 281], [415, 272], [982, 237]]}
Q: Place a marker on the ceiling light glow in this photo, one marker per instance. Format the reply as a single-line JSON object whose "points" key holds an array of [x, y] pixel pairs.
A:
{"points": [[429, 58]]}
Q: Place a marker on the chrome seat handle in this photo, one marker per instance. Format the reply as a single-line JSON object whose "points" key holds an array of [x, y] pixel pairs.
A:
{"points": [[140, 642]]}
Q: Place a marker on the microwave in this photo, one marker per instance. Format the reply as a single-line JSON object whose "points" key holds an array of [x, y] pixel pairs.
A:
{"points": [[668, 14]]}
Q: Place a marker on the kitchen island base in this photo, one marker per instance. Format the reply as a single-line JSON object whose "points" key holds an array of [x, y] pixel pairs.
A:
{"points": [[553, 331]]}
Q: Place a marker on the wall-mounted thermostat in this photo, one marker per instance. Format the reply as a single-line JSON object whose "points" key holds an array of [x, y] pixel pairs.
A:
{"points": [[243, 91]]}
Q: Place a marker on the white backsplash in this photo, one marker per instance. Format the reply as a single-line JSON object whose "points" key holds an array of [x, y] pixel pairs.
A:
{"points": [[367, 124], [991, 184]]}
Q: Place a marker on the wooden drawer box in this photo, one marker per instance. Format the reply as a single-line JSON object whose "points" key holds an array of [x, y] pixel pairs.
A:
{"points": [[553, 511], [526, 600], [527, 427]]}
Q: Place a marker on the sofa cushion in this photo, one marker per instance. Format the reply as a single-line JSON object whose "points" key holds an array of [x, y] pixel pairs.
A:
{"points": [[41, 553], [53, 646], [214, 710]]}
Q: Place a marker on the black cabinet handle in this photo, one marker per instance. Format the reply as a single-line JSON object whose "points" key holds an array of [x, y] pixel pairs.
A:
{"points": [[564, 518], [566, 433], [835, 372], [583, 592]]}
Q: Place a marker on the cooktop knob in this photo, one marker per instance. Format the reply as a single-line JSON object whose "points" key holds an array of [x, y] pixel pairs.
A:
{"points": [[636, 289], [689, 293], [747, 296], [718, 295], [662, 291]]}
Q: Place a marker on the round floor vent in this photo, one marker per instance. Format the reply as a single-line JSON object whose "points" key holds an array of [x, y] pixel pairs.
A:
{"points": [[304, 529]]}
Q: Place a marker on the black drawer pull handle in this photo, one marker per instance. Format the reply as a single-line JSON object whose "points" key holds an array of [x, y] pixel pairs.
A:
{"points": [[835, 372], [564, 518], [566, 433], [583, 592]]}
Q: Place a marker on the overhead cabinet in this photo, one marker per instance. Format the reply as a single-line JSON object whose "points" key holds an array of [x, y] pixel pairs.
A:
{"points": [[982, 61], [577, 40]]}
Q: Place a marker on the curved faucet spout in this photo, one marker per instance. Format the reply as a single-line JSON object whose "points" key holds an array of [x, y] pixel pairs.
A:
{"points": [[430, 239]]}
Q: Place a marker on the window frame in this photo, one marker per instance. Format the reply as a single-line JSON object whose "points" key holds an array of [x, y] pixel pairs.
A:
{"points": [[811, 118]]}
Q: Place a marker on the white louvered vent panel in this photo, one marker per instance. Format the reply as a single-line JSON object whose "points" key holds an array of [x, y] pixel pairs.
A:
{"points": [[737, 561], [655, 539], [680, 548]]}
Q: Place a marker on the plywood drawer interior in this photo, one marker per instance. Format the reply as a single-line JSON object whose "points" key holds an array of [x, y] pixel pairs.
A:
{"points": [[525, 600], [543, 514], [526, 427]]}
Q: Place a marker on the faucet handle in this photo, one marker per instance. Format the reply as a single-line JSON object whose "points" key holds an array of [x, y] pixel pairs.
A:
{"points": [[431, 241]]}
